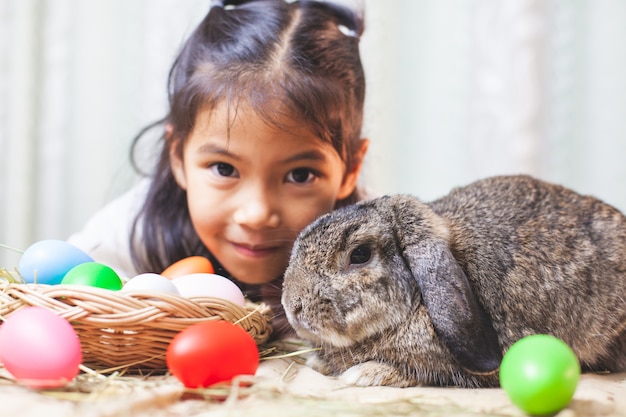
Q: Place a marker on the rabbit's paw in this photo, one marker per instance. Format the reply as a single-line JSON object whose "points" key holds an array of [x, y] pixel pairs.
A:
{"points": [[374, 373], [318, 364]]}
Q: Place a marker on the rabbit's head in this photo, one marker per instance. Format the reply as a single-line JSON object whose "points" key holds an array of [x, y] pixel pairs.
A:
{"points": [[364, 269]]}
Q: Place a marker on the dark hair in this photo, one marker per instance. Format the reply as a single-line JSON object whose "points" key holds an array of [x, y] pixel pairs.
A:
{"points": [[299, 58]]}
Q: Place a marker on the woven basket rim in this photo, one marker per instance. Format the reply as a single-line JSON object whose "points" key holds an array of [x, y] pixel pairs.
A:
{"points": [[133, 329]]}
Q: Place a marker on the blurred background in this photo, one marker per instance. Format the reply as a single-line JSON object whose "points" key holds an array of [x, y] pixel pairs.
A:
{"points": [[457, 90]]}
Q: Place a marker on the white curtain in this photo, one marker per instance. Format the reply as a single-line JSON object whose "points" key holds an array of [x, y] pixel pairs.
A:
{"points": [[465, 89], [457, 90], [78, 79]]}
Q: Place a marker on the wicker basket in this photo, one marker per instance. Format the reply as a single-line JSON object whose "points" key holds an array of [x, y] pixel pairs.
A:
{"points": [[130, 331]]}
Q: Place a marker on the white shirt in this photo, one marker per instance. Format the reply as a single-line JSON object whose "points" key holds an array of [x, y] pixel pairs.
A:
{"points": [[105, 236]]}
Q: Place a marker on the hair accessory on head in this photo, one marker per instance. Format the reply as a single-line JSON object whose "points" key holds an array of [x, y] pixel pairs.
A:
{"points": [[347, 31], [227, 4], [353, 20], [231, 4], [356, 6]]}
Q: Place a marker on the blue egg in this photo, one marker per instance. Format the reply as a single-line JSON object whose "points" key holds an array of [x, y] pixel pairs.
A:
{"points": [[47, 261]]}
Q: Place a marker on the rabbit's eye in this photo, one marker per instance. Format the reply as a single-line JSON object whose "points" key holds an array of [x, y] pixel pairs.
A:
{"points": [[360, 255]]}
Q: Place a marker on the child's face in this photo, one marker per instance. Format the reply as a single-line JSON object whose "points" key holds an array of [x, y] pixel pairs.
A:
{"points": [[251, 187]]}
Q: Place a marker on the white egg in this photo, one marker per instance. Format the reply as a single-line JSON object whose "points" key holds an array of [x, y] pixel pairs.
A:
{"points": [[209, 285], [150, 282]]}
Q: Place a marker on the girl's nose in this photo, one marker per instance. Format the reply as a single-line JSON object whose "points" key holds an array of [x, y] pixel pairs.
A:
{"points": [[257, 210]]}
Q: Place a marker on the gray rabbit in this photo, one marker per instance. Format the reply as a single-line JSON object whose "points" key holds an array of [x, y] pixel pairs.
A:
{"points": [[402, 293]]}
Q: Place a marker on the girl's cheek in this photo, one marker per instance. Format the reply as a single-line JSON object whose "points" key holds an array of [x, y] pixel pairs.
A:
{"points": [[311, 210]]}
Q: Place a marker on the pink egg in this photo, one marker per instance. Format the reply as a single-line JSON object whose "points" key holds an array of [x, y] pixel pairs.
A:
{"points": [[40, 348], [209, 285]]}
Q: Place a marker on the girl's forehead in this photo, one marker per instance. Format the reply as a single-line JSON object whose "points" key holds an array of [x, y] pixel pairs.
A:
{"points": [[230, 118], [273, 131]]}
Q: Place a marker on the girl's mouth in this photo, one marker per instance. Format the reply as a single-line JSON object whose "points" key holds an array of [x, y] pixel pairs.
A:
{"points": [[255, 251]]}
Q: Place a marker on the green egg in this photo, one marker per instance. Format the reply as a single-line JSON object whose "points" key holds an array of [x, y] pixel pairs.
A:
{"points": [[93, 274], [540, 373]]}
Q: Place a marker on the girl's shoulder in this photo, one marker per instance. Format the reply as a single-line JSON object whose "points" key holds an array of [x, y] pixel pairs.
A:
{"points": [[106, 234]]}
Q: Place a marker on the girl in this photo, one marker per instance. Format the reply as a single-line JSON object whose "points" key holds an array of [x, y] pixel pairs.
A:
{"points": [[262, 137]]}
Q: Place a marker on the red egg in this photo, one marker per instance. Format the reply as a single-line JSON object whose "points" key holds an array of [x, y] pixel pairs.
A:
{"points": [[190, 265], [211, 352]]}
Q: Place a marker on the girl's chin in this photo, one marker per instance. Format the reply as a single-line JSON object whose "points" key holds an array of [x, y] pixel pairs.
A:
{"points": [[256, 275], [253, 280], [258, 268]]}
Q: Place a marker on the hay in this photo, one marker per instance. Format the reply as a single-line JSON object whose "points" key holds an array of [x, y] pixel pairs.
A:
{"points": [[247, 395], [11, 276], [283, 387]]}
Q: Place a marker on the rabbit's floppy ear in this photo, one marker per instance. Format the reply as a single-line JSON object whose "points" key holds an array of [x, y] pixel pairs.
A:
{"points": [[458, 318]]}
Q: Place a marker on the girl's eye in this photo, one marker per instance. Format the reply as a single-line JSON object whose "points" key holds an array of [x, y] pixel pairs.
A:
{"points": [[301, 175], [224, 170]]}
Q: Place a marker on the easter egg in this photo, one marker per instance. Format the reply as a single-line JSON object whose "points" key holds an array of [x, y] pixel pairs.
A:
{"points": [[209, 285], [39, 348], [150, 282], [93, 274], [211, 352], [190, 265], [47, 261], [540, 373]]}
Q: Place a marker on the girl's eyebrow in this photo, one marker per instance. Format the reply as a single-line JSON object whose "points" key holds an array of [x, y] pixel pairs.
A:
{"points": [[216, 149], [312, 155]]}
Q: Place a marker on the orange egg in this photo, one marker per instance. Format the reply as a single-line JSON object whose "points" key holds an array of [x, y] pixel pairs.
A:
{"points": [[190, 265]]}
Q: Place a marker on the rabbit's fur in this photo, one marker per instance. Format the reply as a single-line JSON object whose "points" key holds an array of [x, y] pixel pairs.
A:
{"points": [[398, 292]]}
